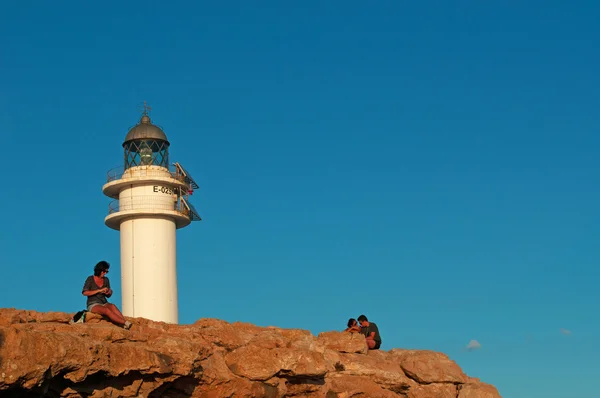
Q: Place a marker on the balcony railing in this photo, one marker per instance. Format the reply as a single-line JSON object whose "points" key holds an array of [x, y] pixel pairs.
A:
{"points": [[150, 202], [141, 171], [192, 213]]}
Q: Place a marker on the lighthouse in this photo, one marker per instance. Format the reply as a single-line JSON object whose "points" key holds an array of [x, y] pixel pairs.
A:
{"points": [[151, 201]]}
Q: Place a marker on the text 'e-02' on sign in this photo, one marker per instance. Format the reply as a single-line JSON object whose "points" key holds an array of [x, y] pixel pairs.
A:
{"points": [[167, 190]]}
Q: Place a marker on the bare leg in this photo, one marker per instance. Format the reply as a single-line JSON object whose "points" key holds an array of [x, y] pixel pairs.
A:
{"points": [[106, 310], [116, 313], [371, 344]]}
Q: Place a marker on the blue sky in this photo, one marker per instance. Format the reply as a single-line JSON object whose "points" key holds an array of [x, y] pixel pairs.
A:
{"points": [[431, 165]]}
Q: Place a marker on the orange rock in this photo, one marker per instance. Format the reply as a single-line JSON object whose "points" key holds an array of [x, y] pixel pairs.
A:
{"points": [[428, 366], [42, 354], [343, 342], [435, 390], [347, 386], [477, 390]]}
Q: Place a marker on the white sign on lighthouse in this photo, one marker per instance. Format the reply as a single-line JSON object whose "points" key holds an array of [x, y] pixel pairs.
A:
{"points": [[151, 203]]}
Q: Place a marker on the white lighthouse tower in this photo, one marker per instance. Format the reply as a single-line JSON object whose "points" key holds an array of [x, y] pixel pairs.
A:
{"points": [[151, 204]]}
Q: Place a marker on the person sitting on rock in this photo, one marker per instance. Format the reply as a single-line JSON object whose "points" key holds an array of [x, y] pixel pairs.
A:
{"points": [[353, 326], [97, 290], [371, 332]]}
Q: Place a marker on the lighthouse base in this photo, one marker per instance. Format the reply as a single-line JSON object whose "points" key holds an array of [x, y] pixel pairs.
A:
{"points": [[148, 268]]}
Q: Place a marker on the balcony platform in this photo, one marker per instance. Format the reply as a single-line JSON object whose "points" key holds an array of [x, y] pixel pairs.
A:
{"points": [[114, 220], [117, 179]]}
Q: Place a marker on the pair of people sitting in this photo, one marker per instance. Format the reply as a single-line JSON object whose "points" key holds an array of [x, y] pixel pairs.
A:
{"points": [[366, 328]]}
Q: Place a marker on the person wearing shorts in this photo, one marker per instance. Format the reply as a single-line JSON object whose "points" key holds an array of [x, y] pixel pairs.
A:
{"points": [[371, 332], [97, 290]]}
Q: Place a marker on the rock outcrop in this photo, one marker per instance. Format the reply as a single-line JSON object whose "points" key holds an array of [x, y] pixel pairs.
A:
{"points": [[41, 354]]}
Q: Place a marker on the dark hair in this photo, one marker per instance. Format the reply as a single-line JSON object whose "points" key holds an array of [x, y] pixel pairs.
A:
{"points": [[362, 318], [351, 322], [101, 266]]}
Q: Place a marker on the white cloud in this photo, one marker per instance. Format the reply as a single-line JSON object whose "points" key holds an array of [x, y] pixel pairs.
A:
{"points": [[473, 345], [565, 331]]}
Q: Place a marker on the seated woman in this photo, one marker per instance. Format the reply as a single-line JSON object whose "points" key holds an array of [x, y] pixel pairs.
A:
{"points": [[97, 289], [353, 326]]}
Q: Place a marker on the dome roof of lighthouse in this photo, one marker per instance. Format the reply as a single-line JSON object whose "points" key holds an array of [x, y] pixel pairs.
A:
{"points": [[145, 130]]}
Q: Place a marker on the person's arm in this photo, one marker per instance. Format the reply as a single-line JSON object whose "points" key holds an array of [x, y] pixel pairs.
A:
{"points": [[92, 292], [352, 329], [109, 291], [373, 331], [369, 333], [87, 288]]}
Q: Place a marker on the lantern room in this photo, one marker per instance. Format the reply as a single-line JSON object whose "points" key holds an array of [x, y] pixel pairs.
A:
{"points": [[146, 145]]}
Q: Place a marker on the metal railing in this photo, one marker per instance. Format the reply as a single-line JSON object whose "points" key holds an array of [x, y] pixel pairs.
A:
{"points": [[192, 213], [148, 202], [141, 171]]}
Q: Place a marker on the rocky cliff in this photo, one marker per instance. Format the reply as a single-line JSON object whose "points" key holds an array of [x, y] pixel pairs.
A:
{"points": [[42, 355]]}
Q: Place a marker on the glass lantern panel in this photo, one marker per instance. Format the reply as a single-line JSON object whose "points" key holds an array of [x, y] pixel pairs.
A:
{"points": [[146, 152]]}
